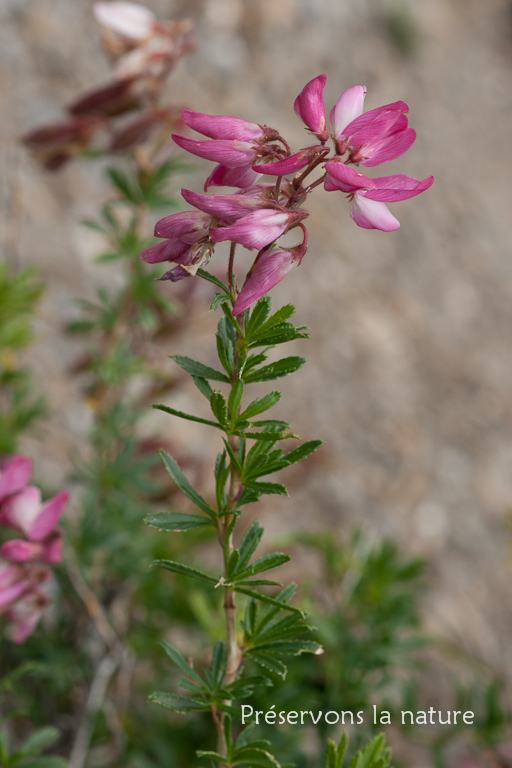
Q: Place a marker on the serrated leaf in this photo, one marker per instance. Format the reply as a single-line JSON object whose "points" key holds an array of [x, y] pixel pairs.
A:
{"points": [[267, 599], [289, 647], [275, 370], [196, 368], [203, 386], [218, 666], [249, 544], [267, 562], [185, 570], [219, 408], [177, 521], [268, 488], [186, 416], [258, 315], [302, 452], [180, 661], [178, 704], [260, 405], [234, 400], [183, 484], [268, 662]]}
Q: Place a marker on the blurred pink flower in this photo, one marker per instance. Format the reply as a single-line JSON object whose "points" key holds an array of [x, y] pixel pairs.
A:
{"points": [[15, 473]]}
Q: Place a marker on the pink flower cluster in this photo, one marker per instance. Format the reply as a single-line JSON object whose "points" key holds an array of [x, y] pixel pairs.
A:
{"points": [[144, 52], [260, 212], [24, 561]]}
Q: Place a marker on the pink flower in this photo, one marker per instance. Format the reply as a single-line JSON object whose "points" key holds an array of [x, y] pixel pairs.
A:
{"points": [[243, 177], [15, 473], [13, 583], [291, 164], [187, 244], [367, 196], [268, 270], [258, 229], [309, 106], [48, 550], [26, 513], [225, 207]]}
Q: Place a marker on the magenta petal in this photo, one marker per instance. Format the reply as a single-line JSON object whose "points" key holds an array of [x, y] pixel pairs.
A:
{"points": [[270, 268], [15, 473], [369, 214], [347, 108], [290, 164], [227, 207], [52, 548], [372, 117], [390, 148], [12, 583], [19, 550], [170, 250], [309, 105], [242, 177], [230, 153], [189, 226], [222, 127], [48, 516], [390, 189], [256, 230], [343, 177]]}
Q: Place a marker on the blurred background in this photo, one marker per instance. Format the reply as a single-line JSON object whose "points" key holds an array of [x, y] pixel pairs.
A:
{"points": [[409, 380]]}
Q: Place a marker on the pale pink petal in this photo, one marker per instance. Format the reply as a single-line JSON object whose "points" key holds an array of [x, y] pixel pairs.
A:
{"points": [[346, 179], [20, 511], [48, 516], [130, 20], [256, 230], [369, 214], [270, 268], [230, 153], [15, 473], [309, 105], [242, 177], [390, 189], [13, 583], [347, 108], [222, 127], [24, 615]]}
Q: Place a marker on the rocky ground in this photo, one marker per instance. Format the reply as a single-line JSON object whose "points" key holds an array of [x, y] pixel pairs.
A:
{"points": [[410, 375]]}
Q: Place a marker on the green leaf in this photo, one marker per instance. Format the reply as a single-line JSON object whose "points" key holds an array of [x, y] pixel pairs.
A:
{"points": [[269, 662], [260, 405], [183, 484], [187, 416], [336, 754], [129, 188], [302, 452], [180, 661], [184, 570], [177, 521], [258, 315], [267, 599], [249, 544], [198, 369], [218, 667], [267, 562], [212, 279], [39, 740], [220, 409], [234, 400], [47, 762], [203, 386], [268, 488], [178, 704], [275, 370]]}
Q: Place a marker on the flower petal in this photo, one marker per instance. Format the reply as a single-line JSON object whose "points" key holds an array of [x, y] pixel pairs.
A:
{"points": [[222, 127], [343, 177], [48, 516], [347, 108], [369, 214], [389, 148], [390, 189], [270, 268], [130, 20], [309, 105], [15, 473], [256, 230], [230, 153], [242, 177], [226, 207], [290, 164], [20, 511]]}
